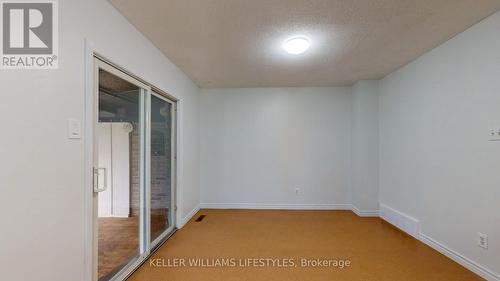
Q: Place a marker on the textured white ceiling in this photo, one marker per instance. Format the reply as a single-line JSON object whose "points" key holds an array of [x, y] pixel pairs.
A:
{"points": [[237, 43]]}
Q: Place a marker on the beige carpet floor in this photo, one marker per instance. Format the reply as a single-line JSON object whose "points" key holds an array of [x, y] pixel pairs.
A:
{"points": [[375, 249]]}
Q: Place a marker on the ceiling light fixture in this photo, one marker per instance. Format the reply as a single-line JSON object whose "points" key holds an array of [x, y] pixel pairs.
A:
{"points": [[296, 45]]}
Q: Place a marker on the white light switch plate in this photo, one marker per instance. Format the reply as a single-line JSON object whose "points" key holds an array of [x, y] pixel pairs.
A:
{"points": [[74, 129], [494, 135]]}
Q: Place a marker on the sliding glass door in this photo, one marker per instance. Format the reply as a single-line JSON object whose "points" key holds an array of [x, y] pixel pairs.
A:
{"points": [[162, 161], [134, 168]]}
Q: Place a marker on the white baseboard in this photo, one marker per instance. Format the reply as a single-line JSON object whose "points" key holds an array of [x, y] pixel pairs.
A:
{"points": [[275, 206], [365, 213], [459, 258], [400, 220], [188, 217], [258, 206]]}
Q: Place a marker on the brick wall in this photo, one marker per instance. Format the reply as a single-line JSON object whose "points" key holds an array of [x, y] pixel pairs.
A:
{"points": [[161, 178]]}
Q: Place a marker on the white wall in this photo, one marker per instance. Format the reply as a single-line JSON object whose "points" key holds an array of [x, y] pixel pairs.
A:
{"points": [[259, 145], [435, 161], [41, 171], [365, 145]]}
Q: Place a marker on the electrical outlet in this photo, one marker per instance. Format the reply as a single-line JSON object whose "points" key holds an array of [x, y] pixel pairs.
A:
{"points": [[482, 240], [297, 190], [494, 135]]}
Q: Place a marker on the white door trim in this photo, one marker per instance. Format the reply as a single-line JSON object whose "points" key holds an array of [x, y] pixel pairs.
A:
{"points": [[88, 262]]}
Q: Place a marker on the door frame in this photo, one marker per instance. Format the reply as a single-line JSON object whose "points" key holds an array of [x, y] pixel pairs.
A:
{"points": [[90, 208]]}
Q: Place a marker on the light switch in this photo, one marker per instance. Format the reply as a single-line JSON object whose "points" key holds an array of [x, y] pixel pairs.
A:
{"points": [[494, 135], [74, 129]]}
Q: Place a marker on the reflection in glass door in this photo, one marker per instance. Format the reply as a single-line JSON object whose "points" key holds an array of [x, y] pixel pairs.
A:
{"points": [[162, 161], [120, 209]]}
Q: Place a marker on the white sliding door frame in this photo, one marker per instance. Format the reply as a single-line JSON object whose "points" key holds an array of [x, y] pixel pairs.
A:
{"points": [[173, 171], [94, 61]]}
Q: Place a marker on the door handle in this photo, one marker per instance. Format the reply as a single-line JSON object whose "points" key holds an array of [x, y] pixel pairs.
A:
{"points": [[99, 179]]}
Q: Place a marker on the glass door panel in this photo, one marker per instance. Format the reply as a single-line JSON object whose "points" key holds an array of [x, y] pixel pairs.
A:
{"points": [[161, 217], [120, 211]]}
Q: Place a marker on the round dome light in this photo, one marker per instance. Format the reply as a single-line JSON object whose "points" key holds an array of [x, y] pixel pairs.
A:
{"points": [[296, 45]]}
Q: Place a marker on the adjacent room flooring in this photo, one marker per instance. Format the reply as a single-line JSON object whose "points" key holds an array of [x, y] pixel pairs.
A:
{"points": [[375, 249], [118, 241]]}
